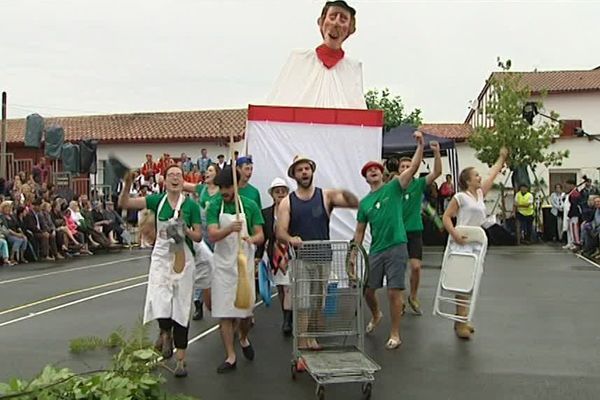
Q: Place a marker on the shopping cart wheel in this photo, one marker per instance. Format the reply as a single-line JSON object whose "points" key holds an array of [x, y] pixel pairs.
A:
{"points": [[366, 389], [294, 369], [320, 393]]}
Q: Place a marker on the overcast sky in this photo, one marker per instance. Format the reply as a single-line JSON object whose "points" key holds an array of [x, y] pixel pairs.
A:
{"points": [[74, 57]]}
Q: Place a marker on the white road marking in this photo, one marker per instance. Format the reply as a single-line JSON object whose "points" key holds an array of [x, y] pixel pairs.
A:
{"points": [[71, 293], [72, 303], [588, 260], [25, 278]]}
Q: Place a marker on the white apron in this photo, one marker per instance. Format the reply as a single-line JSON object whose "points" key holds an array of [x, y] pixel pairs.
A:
{"points": [[225, 273], [169, 294]]}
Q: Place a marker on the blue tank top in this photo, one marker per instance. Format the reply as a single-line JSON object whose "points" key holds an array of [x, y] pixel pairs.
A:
{"points": [[308, 218]]}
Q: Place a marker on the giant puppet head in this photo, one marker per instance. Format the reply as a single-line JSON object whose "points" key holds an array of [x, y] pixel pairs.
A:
{"points": [[336, 23]]}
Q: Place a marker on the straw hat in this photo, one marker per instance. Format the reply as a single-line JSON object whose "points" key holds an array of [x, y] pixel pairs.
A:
{"points": [[300, 159]]}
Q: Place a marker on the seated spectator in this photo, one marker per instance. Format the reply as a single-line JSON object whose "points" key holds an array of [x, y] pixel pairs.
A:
{"points": [[19, 226], [70, 235], [55, 238], [101, 223], [86, 225], [31, 221], [590, 232], [15, 236], [4, 232], [74, 229], [117, 223]]}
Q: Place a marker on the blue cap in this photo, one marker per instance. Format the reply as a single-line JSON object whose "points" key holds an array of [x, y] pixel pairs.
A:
{"points": [[244, 160]]}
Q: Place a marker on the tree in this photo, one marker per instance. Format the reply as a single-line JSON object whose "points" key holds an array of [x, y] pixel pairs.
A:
{"points": [[528, 144], [393, 109]]}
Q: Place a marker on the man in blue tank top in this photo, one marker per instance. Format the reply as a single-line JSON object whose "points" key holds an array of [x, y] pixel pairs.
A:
{"points": [[304, 216]]}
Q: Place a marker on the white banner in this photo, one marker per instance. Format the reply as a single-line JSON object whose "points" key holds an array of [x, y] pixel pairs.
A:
{"points": [[339, 150]]}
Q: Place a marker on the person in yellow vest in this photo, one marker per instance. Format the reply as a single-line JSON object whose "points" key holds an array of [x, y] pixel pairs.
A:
{"points": [[524, 211]]}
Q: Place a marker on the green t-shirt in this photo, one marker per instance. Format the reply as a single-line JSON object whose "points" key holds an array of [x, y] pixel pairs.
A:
{"points": [[190, 212], [253, 214], [382, 210], [251, 193], [413, 197], [204, 198]]}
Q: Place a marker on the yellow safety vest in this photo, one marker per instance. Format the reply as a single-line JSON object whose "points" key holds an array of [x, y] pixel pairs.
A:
{"points": [[525, 203]]}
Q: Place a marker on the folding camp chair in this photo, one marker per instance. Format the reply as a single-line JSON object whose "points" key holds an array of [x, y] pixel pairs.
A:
{"points": [[462, 268]]}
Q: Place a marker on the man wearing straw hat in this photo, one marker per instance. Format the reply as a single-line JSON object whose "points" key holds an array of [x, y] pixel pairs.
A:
{"points": [[304, 215], [223, 230]]}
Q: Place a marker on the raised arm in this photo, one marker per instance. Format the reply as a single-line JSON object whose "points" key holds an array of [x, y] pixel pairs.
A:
{"points": [[437, 163], [189, 187], [405, 177], [340, 198], [128, 203], [486, 186]]}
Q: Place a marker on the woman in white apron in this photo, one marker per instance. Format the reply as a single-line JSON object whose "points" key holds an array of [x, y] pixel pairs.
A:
{"points": [[170, 282], [204, 250], [469, 209], [277, 253], [223, 230]]}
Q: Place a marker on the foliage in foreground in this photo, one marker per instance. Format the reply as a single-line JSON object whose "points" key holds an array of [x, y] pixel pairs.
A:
{"points": [[130, 376]]}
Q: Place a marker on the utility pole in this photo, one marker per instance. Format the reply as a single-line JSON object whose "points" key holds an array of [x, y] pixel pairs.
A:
{"points": [[3, 148]]}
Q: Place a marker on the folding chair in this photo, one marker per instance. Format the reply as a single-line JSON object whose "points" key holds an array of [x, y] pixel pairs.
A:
{"points": [[462, 267]]}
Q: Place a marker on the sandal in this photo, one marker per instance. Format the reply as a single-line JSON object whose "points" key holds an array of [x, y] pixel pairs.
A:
{"points": [[373, 324], [393, 343]]}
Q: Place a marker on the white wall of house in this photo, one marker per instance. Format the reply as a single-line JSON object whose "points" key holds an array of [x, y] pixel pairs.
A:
{"points": [[584, 106]]}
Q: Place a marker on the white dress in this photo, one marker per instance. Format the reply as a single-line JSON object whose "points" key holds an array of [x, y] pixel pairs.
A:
{"points": [[471, 212], [305, 82]]}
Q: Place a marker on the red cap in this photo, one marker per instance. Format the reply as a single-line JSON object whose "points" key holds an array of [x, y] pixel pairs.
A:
{"points": [[370, 164]]}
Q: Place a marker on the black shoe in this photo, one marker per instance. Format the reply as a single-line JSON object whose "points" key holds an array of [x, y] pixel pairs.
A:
{"points": [[286, 328], [199, 313], [248, 351], [226, 367]]}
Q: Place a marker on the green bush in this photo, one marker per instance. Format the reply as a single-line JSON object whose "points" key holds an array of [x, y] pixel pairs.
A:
{"points": [[131, 375]]}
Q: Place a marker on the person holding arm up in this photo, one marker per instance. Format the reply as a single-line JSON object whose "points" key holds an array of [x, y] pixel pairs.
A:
{"points": [[413, 222], [169, 293], [382, 209], [468, 207]]}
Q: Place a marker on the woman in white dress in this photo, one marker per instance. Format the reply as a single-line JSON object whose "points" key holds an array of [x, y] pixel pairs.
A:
{"points": [[468, 207]]}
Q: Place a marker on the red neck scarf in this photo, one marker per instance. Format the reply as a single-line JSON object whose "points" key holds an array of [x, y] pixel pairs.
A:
{"points": [[328, 56]]}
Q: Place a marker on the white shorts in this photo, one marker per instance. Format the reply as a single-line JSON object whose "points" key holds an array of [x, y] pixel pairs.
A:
{"points": [[281, 279], [204, 265]]}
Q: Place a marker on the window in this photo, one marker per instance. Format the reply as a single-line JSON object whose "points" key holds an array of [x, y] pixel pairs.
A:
{"points": [[568, 127], [561, 177]]}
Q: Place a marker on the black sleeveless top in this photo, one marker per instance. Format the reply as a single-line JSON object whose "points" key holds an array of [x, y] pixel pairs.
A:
{"points": [[308, 218]]}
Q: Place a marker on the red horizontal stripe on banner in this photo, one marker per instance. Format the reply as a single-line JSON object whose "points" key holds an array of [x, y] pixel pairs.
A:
{"points": [[307, 115]]}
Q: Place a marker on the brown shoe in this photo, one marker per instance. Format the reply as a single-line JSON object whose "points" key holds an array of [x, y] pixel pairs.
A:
{"points": [[462, 330]]}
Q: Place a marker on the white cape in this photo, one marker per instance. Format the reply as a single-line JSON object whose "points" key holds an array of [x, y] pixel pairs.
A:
{"points": [[306, 82]]}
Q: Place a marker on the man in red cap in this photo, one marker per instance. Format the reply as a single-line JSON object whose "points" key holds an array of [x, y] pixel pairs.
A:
{"points": [[382, 210], [335, 80], [150, 168]]}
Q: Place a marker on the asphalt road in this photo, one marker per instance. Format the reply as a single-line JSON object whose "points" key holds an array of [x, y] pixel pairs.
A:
{"points": [[537, 337]]}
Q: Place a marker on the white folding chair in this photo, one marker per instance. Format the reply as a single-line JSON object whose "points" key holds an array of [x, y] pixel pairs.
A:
{"points": [[462, 267]]}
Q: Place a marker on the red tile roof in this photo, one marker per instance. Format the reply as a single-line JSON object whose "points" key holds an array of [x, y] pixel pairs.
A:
{"points": [[457, 132], [179, 126], [552, 82]]}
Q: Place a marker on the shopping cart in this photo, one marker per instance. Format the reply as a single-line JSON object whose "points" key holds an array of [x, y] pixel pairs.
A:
{"points": [[327, 305], [462, 268]]}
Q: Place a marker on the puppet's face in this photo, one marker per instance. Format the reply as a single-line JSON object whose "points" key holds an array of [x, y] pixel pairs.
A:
{"points": [[336, 26]]}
